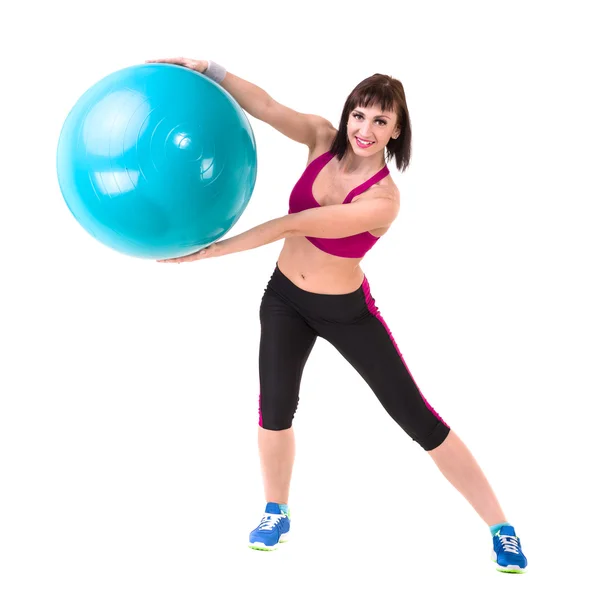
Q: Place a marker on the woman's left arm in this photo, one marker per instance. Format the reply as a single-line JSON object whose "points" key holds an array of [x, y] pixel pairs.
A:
{"points": [[370, 211]]}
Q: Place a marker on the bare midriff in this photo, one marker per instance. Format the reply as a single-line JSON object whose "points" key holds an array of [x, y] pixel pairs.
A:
{"points": [[307, 266], [316, 271]]}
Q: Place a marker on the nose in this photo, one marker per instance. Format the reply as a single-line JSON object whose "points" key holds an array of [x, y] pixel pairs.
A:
{"points": [[365, 130]]}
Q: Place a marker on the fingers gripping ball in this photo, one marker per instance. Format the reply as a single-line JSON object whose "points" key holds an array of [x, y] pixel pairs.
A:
{"points": [[156, 161]]}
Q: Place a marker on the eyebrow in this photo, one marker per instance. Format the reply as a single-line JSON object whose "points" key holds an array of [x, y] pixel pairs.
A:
{"points": [[377, 117]]}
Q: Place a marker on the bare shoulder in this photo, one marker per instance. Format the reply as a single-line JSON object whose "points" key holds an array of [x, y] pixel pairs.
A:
{"points": [[386, 188], [392, 189], [385, 197]]}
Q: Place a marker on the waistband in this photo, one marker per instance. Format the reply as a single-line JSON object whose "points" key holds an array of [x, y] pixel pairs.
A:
{"points": [[329, 306], [289, 285]]}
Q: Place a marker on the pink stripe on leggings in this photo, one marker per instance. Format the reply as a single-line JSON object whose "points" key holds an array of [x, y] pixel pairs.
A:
{"points": [[259, 410], [375, 311]]}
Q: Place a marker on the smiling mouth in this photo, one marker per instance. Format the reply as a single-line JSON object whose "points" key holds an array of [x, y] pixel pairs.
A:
{"points": [[363, 143]]}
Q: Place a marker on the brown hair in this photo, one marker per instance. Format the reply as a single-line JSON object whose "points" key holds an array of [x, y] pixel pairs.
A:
{"points": [[387, 92]]}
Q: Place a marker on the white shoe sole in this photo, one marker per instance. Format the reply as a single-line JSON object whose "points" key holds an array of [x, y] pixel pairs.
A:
{"points": [[507, 568], [260, 546]]}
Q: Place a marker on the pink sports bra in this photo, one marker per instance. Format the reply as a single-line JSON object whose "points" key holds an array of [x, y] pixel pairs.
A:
{"points": [[301, 198]]}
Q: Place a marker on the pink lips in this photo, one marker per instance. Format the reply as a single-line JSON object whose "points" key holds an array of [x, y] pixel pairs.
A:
{"points": [[361, 144]]}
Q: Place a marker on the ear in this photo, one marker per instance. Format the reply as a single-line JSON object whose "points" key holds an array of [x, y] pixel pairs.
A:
{"points": [[396, 134]]}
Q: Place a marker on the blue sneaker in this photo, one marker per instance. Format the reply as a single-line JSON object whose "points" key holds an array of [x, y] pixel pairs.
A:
{"points": [[507, 553], [273, 529]]}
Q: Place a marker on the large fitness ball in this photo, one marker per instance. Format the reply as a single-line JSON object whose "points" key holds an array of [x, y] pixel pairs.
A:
{"points": [[156, 161]]}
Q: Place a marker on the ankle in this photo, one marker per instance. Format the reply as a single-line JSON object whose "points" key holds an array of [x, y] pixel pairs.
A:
{"points": [[495, 528]]}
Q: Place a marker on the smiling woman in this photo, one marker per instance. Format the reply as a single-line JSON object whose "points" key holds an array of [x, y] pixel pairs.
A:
{"points": [[341, 205], [376, 112]]}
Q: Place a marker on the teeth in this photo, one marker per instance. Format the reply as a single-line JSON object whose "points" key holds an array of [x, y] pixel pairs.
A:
{"points": [[363, 142]]}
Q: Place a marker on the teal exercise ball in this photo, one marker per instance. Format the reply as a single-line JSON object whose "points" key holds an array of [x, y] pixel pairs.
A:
{"points": [[156, 161]]}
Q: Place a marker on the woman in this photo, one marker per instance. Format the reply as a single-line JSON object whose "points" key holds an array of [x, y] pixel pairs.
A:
{"points": [[342, 204]]}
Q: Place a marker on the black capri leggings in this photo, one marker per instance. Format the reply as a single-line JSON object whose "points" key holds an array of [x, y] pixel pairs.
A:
{"points": [[292, 318]]}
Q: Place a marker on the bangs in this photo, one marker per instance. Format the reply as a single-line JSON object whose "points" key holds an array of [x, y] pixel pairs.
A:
{"points": [[381, 95]]}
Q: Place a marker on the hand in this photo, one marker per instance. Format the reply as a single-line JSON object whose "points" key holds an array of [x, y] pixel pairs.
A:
{"points": [[190, 63], [207, 252]]}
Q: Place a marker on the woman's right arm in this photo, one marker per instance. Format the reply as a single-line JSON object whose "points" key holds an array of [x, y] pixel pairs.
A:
{"points": [[303, 128]]}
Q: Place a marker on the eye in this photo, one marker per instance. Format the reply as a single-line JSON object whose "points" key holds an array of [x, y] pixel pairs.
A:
{"points": [[357, 116], [382, 122]]}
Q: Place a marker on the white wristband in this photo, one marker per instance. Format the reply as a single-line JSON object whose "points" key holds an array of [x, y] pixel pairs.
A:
{"points": [[215, 72]]}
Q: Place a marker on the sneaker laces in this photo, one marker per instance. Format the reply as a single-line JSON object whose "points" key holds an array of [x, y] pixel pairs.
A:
{"points": [[269, 521], [510, 543]]}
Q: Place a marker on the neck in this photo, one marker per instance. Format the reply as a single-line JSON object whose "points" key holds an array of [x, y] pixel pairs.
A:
{"points": [[351, 164]]}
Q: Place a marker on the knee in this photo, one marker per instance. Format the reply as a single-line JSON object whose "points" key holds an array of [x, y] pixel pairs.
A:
{"points": [[274, 425], [276, 415], [420, 422], [434, 438]]}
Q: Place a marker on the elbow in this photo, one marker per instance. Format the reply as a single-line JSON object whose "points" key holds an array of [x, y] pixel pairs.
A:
{"points": [[263, 108], [286, 228], [292, 233]]}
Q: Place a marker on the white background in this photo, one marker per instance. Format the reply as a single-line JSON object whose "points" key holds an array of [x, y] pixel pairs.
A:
{"points": [[129, 389]]}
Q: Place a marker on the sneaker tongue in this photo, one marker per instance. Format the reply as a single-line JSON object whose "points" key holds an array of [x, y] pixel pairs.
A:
{"points": [[273, 508], [507, 530]]}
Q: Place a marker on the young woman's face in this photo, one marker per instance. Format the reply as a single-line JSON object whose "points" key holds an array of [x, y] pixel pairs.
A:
{"points": [[370, 129]]}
